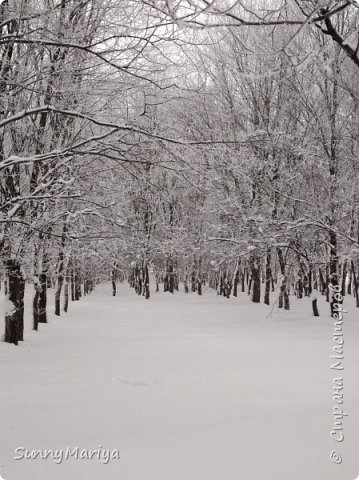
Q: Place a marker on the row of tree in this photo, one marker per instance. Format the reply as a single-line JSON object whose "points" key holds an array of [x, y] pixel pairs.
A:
{"points": [[201, 143]]}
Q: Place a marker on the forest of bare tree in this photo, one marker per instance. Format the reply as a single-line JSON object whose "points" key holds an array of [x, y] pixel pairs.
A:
{"points": [[176, 145], [179, 239]]}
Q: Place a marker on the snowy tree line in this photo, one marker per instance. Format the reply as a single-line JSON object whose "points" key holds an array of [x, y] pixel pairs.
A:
{"points": [[199, 144]]}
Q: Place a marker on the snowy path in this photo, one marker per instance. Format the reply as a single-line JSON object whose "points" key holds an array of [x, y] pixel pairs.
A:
{"points": [[185, 388]]}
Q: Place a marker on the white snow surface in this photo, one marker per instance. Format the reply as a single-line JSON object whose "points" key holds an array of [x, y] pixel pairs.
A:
{"points": [[185, 387]]}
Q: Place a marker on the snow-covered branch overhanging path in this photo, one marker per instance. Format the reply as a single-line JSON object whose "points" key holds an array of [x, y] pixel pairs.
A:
{"points": [[184, 387]]}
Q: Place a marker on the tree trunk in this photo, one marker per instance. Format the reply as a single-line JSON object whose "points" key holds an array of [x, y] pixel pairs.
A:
{"points": [[199, 287], [283, 300], [157, 283], [355, 284], [199, 277], [268, 277], [60, 281], [193, 277], [42, 301], [315, 307], [114, 289], [35, 307], [72, 280], [236, 282], [113, 278], [344, 276], [256, 280], [310, 281], [66, 300], [250, 285], [256, 292], [146, 282], [299, 288], [14, 315], [77, 284], [60, 272], [185, 281], [171, 280], [349, 290]]}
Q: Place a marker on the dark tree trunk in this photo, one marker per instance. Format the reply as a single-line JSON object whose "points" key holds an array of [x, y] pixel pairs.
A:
{"points": [[344, 278], [283, 300], [171, 280], [138, 281], [66, 299], [199, 287], [72, 278], [268, 277], [193, 277], [113, 278], [60, 282], [42, 302], [146, 282], [355, 284], [35, 307], [227, 287], [114, 289], [165, 284], [310, 281], [60, 272], [175, 276], [236, 282], [185, 281], [250, 285], [14, 316], [349, 290], [199, 277], [256, 293], [157, 284], [21, 307], [327, 282], [315, 307], [256, 280], [299, 288], [77, 282], [286, 297]]}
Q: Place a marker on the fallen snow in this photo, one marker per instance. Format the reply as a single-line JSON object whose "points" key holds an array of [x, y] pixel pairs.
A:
{"points": [[185, 387]]}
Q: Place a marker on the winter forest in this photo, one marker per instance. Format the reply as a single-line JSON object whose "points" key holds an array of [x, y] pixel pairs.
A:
{"points": [[188, 160], [139, 136]]}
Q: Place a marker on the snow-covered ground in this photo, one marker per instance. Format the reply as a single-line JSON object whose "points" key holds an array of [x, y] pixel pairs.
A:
{"points": [[185, 387]]}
